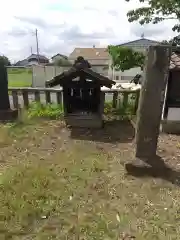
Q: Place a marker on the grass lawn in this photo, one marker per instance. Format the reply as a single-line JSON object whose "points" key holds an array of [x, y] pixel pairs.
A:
{"points": [[19, 77], [62, 184]]}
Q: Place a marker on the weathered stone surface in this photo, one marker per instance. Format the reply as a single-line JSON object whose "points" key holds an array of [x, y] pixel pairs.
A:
{"points": [[151, 100]]}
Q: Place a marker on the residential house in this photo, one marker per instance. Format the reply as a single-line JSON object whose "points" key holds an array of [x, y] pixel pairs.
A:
{"points": [[98, 58], [58, 57], [33, 59], [101, 61], [139, 45], [21, 63]]}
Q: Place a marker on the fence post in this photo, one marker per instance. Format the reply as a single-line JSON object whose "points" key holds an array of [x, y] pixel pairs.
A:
{"points": [[15, 99], [37, 96], [151, 100], [136, 102], [102, 101], [59, 97], [125, 100], [48, 96], [115, 96], [25, 99]]}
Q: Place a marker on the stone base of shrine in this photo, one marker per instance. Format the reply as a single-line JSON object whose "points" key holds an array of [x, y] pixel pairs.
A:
{"points": [[8, 115], [84, 121]]}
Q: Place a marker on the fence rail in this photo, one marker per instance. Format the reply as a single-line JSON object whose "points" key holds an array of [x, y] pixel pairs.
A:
{"points": [[24, 96]]}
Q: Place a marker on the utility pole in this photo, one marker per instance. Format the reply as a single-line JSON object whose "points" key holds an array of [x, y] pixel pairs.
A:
{"points": [[31, 50], [37, 45]]}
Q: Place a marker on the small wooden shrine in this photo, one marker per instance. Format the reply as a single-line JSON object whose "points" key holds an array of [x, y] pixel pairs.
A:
{"points": [[83, 100]]}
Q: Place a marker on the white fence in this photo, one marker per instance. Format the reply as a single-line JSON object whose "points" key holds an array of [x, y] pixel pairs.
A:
{"points": [[43, 73]]}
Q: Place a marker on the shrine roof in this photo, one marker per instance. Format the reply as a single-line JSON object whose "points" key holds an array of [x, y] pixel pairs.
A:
{"points": [[90, 74], [87, 73]]}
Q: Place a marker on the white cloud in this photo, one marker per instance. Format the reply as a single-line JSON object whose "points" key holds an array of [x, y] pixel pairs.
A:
{"points": [[65, 24]]}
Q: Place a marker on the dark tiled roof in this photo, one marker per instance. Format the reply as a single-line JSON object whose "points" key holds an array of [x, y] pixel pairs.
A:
{"points": [[72, 73], [58, 54], [36, 56], [21, 63]]}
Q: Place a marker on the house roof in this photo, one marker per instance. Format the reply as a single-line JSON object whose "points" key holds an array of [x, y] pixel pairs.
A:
{"points": [[90, 53], [104, 81], [61, 55], [37, 56], [73, 73], [148, 41], [102, 53], [175, 57], [21, 63]]}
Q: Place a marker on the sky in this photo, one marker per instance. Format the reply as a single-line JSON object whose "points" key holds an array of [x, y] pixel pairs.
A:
{"points": [[65, 24]]}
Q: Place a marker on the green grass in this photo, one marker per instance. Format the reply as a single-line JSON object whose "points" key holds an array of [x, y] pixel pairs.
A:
{"points": [[54, 187], [19, 77], [44, 200], [51, 111], [121, 111], [55, 111]]}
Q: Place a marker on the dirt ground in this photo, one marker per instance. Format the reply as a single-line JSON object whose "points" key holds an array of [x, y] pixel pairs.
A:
{"points": [[91, 169]]}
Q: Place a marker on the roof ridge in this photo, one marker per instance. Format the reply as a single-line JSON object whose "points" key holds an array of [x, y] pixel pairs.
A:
{"points": [[91, 47], [92, 53], [137, 41]]}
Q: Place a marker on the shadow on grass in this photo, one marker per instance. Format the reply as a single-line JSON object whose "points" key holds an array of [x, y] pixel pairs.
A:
{"points": [[113, 131], [154, 167]]}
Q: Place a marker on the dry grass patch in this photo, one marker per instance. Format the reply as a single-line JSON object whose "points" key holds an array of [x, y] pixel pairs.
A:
{"points": [[54, 187]]}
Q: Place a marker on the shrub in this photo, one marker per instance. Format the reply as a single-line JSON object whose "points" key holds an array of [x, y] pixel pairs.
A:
{"points": [[51, 110]]}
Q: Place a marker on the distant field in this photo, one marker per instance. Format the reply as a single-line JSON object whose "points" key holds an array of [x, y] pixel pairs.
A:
{"points": [[19, 77]]}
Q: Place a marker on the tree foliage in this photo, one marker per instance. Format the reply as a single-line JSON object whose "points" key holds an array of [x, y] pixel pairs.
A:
{"points": [[124, 58], [156, 11], [5, 60], [174, 42], [63, 62]]}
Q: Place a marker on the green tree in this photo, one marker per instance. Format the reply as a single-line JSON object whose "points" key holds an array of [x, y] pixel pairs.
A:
{"points": [[5, 60], [124, 58], [156, 11], [174, 42], [63, 62]]}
